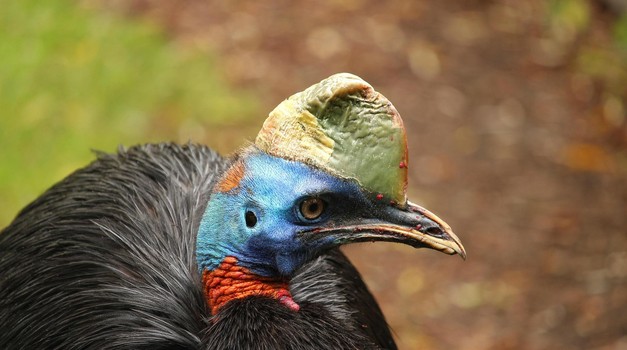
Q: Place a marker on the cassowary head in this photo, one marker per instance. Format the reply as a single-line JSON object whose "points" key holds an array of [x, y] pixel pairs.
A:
{"points": [[329, 167]]}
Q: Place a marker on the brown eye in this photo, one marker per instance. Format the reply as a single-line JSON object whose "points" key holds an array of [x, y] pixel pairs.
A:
{"points": [[312, 208]]}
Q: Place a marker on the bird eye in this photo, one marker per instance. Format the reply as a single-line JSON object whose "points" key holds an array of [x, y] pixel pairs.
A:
{"points": [[312, 208], [251, 219]]}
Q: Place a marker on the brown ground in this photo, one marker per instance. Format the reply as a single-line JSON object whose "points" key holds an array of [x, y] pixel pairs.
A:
{"points": [[517, 132]]}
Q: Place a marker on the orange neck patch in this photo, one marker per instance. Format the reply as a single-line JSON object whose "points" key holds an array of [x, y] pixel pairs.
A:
{"points": [[229, 282], [231, 178]]}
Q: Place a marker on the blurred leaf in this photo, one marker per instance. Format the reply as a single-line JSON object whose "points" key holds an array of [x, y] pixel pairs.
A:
{"points": [[606, 65], [587, 157], [570, 12], [620, 33]]}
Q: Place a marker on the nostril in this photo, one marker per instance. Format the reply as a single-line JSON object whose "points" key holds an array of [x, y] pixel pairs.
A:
{"points": [[434, 231]]}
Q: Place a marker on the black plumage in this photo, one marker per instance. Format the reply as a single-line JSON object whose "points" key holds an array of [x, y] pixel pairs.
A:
{"points": [[105, 260]]}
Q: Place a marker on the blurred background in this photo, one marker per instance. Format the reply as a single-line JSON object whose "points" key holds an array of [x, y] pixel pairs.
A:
{"points": [[516, 117]]}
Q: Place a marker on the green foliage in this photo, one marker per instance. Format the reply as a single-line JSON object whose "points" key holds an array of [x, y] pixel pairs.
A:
{"points": [[72, 80], [620, 33], [570, 13], [603, 61]]}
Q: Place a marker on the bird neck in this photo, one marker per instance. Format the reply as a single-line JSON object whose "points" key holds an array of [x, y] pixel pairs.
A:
{"points": [[230, 281]]}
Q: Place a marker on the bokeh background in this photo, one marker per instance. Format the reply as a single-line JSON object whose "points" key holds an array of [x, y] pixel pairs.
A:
{"points": [[516, 118]]}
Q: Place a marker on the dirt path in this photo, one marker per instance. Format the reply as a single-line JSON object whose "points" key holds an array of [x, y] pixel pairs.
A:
{"points": [[522, 153]]}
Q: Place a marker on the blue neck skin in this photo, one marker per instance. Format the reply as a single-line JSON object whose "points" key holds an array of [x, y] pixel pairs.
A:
{"points": [[272, 189]]}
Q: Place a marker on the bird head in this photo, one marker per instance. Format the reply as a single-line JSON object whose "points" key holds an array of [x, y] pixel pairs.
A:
{"points": [[329, 167]]}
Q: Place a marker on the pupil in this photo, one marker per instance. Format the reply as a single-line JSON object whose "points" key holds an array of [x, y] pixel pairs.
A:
{"points": [[313, 208], [251, 219]]}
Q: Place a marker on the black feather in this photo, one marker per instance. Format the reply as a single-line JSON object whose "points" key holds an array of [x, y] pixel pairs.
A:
{"points": [[105, 260]]}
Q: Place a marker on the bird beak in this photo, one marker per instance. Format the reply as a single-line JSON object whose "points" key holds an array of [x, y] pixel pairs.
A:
{"points": [[412, 225]]}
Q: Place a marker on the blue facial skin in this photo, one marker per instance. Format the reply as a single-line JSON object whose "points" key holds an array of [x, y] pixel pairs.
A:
{"points": [[273, 189]]}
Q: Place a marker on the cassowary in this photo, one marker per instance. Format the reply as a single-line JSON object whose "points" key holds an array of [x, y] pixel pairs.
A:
{"points": [[174, 247]]}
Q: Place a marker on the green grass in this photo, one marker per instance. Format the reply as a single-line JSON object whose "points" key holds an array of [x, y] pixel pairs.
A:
{"points": [[72, 80]]}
